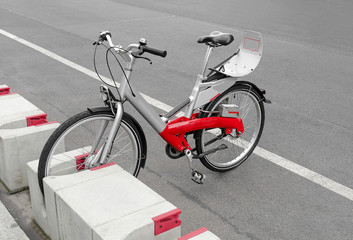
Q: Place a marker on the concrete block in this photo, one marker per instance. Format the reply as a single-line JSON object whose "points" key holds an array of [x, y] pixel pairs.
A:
{"points": [[37, 199], [201, 234], [54, 184], [17, 147], [80, 205], [14, 110], [137, 225]]}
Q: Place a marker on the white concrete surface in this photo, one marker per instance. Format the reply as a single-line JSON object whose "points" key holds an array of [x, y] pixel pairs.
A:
{"points": [[19, 146], [37, 200], [14, 110], [125, 227], [89, 201], [9, 229]]}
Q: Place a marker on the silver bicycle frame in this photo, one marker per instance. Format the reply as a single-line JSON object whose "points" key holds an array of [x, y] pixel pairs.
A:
{"points": [[202, 93]]}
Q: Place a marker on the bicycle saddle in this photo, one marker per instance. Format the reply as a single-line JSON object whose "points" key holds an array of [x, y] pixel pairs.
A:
{"points": [[217, 38]]}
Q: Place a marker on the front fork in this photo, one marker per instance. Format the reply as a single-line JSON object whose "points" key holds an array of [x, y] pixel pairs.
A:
{"points": [[114, 129], [101, 157]]}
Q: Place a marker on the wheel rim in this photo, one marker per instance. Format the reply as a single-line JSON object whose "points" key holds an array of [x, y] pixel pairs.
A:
{"points": [[74, 147], [238, 148]]}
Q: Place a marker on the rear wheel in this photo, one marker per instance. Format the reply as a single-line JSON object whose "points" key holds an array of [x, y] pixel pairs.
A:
{"points": [[79, 139], [232, 149]]}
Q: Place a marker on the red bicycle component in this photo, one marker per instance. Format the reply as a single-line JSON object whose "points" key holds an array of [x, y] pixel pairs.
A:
{"points": [[174, 133], [80, 160]]}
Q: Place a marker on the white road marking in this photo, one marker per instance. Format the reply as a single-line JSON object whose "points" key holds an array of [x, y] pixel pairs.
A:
{"points": [[305, 173], [274, 158]]}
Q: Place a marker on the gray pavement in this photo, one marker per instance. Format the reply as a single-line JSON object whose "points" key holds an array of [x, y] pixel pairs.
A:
{"points": [[306, 70]]}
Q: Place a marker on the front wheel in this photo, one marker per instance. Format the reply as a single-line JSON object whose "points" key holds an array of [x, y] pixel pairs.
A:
{"points": [[232, 150], [80, 138]]}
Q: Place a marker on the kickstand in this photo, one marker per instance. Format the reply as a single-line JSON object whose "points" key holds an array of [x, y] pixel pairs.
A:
{"points": [[195, 175]]}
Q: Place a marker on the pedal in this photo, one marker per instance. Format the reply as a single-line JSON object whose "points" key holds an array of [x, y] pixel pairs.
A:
{"points": [[198, 177]]}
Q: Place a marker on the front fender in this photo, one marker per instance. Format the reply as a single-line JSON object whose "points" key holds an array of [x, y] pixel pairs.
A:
{"points": [[99, 109]]}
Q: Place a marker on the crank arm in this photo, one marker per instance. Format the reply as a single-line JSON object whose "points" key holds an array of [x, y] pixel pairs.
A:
{"points": [[195, 175]]}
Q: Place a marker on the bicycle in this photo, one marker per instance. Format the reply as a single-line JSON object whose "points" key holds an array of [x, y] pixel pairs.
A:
{"points": [[226, 116]]}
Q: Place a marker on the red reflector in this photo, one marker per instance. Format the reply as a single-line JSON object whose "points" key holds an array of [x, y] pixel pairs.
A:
{"points": [[36, 120], [214, 97], [166, 221], [103, 166], [193, 234], [4, 91], [80, 160]]}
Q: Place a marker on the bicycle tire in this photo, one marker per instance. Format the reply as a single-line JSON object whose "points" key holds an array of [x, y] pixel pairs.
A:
{"points": [[67, 149], [232, 156]]}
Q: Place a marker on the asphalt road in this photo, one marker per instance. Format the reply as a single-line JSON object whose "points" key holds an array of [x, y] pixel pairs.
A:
{"points": [[306, 70]]}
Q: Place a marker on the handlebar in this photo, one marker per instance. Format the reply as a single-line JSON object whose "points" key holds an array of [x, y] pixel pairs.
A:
{"points": [[154, 51], [142, 46]]}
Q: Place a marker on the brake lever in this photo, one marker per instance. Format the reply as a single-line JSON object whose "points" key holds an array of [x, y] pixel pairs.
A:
{"points": [[137, 55], [99, 41]]}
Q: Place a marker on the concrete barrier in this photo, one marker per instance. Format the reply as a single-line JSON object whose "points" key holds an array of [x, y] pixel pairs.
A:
{"points": [[107, 203], [23, 132], [16, 112], [17, 147], [201, 234], [37, 201]]}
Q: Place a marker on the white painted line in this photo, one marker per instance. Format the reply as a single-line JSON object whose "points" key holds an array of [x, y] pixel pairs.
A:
{"points": [[55, 56], [274, 158], [305, 173], [80, 68]]}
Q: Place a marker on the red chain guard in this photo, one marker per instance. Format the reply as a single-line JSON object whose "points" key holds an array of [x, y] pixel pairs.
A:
{"points": [[174, 133]]}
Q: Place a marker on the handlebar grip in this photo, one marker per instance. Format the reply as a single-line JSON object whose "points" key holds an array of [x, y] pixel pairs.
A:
{"points": [[155, 51]]}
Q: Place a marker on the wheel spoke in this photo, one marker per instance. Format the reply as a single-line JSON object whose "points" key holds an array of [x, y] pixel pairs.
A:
{"points": [[239, 147], [82, 135]]}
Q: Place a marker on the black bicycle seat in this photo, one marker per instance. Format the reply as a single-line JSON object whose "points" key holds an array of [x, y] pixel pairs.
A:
{"points": [[217, 38]]}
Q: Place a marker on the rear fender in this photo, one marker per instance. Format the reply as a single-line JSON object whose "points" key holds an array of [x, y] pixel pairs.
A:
{"points": [[261, 92]]}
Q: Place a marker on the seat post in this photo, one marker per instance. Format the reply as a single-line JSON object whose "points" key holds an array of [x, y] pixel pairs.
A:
{"points": [[207, 56], [196, 89]]}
